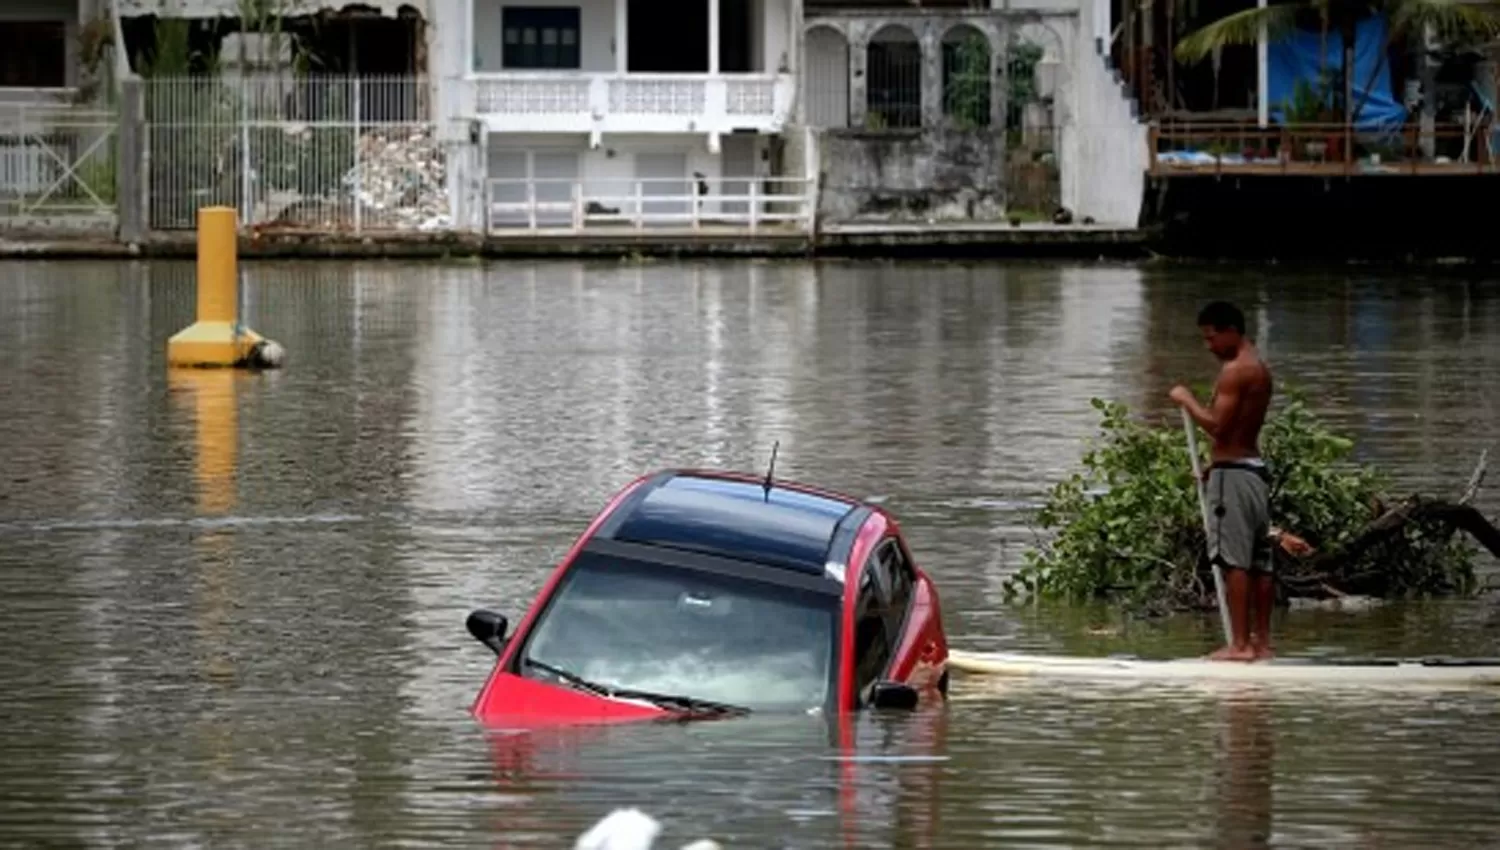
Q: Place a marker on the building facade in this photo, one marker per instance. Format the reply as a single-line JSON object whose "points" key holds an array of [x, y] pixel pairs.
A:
{"points": [[566, 115], [628, 112]]}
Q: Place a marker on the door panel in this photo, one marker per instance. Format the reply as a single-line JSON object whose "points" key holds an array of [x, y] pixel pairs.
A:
{"points": [[552, 166], [507, 165], [738, 166], [651, 166]]}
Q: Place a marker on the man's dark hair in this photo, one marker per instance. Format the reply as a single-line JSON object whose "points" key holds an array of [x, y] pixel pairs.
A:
{"points": [[1221, 315]]}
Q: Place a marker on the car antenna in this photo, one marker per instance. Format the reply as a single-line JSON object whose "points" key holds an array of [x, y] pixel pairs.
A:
{"points": [[771, 469]]}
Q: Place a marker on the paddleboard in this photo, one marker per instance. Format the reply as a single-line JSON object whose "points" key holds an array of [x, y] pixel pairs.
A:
{"points": [[1310, 671]]}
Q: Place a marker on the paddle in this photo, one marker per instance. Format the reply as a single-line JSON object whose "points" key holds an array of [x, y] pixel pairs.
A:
{"points": [[1192, 438]]}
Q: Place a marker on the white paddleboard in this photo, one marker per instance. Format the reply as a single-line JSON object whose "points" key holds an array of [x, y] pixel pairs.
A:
{"points": [[1371, 671]]}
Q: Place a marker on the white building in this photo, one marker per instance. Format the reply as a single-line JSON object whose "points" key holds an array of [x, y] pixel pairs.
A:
{"points": [[599, 111]]}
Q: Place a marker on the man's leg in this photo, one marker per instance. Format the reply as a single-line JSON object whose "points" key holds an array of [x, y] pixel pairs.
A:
{"points": [[1232, 544], [1263, 593], [1237, 597], [1262, 568]]}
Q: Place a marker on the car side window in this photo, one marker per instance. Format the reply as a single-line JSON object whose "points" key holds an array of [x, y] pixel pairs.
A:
{"points": [[901, 579], [872, 642]]}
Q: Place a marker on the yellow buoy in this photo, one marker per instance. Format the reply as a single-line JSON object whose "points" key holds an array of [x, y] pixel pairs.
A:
{"points": [[217, 338]]}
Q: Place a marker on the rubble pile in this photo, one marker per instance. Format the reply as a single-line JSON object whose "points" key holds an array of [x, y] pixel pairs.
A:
{"points": [[399, 183]]}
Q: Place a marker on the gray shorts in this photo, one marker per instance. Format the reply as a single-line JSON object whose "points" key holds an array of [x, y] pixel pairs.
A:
{"points": [[1239, 517]]}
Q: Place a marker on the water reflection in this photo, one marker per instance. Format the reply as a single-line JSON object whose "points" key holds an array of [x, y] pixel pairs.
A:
{"points": [[234, 603], [1247, 762], [211, 396], [854, 781]]}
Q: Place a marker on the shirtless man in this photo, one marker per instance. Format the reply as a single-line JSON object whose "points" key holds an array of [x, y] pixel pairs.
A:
{"points": [[1239, 487]]}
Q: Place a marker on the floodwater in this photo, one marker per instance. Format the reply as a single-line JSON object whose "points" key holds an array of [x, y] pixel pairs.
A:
{"points": [[231, 606]]}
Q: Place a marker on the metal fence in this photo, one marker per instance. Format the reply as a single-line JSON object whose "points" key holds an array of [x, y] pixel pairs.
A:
{"points": [[312, 152], [894, 79], [57, 164]]}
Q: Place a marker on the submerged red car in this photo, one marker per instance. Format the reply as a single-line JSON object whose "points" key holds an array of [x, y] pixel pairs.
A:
{"points": [[706, 594]]}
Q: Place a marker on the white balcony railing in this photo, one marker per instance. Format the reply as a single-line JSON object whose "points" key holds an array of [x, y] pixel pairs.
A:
{"points": [[37, 96], [566, 206], [581, 102]]}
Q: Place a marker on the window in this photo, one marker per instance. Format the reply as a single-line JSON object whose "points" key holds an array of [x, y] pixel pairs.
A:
{"points": [[872, 643], [899, 578], [536, 37], [33, 54], [885, 591], [640, 625]]}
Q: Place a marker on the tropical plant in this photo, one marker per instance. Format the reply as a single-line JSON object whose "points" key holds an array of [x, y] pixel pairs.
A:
{"points": [[1405, 21]]}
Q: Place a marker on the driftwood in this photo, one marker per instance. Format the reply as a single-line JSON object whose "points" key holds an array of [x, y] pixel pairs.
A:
{"points": [[1330, 574]]}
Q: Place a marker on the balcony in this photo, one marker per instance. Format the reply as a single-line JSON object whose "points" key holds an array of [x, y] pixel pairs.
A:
{"points": [[618, 102]]}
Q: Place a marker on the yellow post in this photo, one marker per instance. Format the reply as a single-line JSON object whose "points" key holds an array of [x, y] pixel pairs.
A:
{"points": [[216, 339]]}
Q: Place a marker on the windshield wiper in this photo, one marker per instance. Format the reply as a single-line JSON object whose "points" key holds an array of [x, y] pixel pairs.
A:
{"points": [[686, 703], [571, 678], [692, 704]]}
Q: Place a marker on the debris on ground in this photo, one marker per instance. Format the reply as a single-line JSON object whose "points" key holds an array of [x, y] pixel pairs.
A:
{"points": [[400, 180]]}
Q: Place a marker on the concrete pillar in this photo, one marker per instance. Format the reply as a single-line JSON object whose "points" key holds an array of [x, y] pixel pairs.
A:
{"points": [[470, 39], [999, 74], [130, 153], [858, 34], [713, 36], [1427, 73], [622, 37], [1262, 84], [929, 40]]}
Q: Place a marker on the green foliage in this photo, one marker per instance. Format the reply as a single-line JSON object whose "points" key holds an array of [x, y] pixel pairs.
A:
{"points": [[1022, 87], [1308, 104], [967, 92], [1128, 526]]}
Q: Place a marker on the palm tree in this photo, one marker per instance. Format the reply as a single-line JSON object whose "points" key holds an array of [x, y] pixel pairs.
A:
{"points": [[1449, 19]]}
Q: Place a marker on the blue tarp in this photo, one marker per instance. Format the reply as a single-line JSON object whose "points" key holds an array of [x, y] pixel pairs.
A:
{"points": [[1295, 57]]}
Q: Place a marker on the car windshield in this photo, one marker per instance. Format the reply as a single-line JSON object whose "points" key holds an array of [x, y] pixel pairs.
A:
{"points": [[632, 625]]}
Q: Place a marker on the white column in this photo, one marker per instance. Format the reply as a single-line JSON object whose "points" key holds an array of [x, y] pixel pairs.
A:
{"points": [[622, 37], [713, 36], [470, 45], [1262, 75]]}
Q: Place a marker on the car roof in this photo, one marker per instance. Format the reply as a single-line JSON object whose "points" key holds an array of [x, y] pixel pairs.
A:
{"points": [[788, 525]]}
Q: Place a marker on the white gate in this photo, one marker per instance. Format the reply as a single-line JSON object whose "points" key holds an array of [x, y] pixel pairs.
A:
{"points": [[57, 165]]}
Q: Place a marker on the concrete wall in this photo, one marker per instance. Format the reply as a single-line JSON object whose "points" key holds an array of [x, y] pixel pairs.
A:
{"points": [[1101, 145], [1103, 153], [936, 174], [857, 29]]}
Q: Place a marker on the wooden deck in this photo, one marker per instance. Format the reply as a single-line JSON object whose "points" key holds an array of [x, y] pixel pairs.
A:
{"points": [[1326, 169]]}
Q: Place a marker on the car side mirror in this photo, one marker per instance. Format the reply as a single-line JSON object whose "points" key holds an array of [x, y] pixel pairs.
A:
{"points": [[897, 695], [488, 628]]}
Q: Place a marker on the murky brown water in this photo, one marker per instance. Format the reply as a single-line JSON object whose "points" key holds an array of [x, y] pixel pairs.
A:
{"points": [[232, 606]]}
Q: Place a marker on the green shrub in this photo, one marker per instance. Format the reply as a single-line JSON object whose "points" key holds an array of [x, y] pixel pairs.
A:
{"points": [[1128, 528]]}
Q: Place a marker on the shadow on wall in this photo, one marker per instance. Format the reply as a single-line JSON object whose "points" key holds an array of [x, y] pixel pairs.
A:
{"points": [[912, 175]]}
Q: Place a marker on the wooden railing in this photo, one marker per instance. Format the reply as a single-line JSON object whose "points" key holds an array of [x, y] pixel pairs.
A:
{"points": [[1324, 149], [565, 205]]}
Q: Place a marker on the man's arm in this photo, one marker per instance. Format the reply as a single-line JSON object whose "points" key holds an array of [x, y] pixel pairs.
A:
{"points": [[1226, 402]]}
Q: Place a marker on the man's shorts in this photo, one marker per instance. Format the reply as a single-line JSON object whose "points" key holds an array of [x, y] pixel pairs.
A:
{"points": [[1239, 505]]}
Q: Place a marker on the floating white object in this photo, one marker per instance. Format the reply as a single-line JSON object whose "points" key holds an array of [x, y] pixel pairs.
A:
{"points": [[621, 829], [630, 829], [1374, 671]]}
